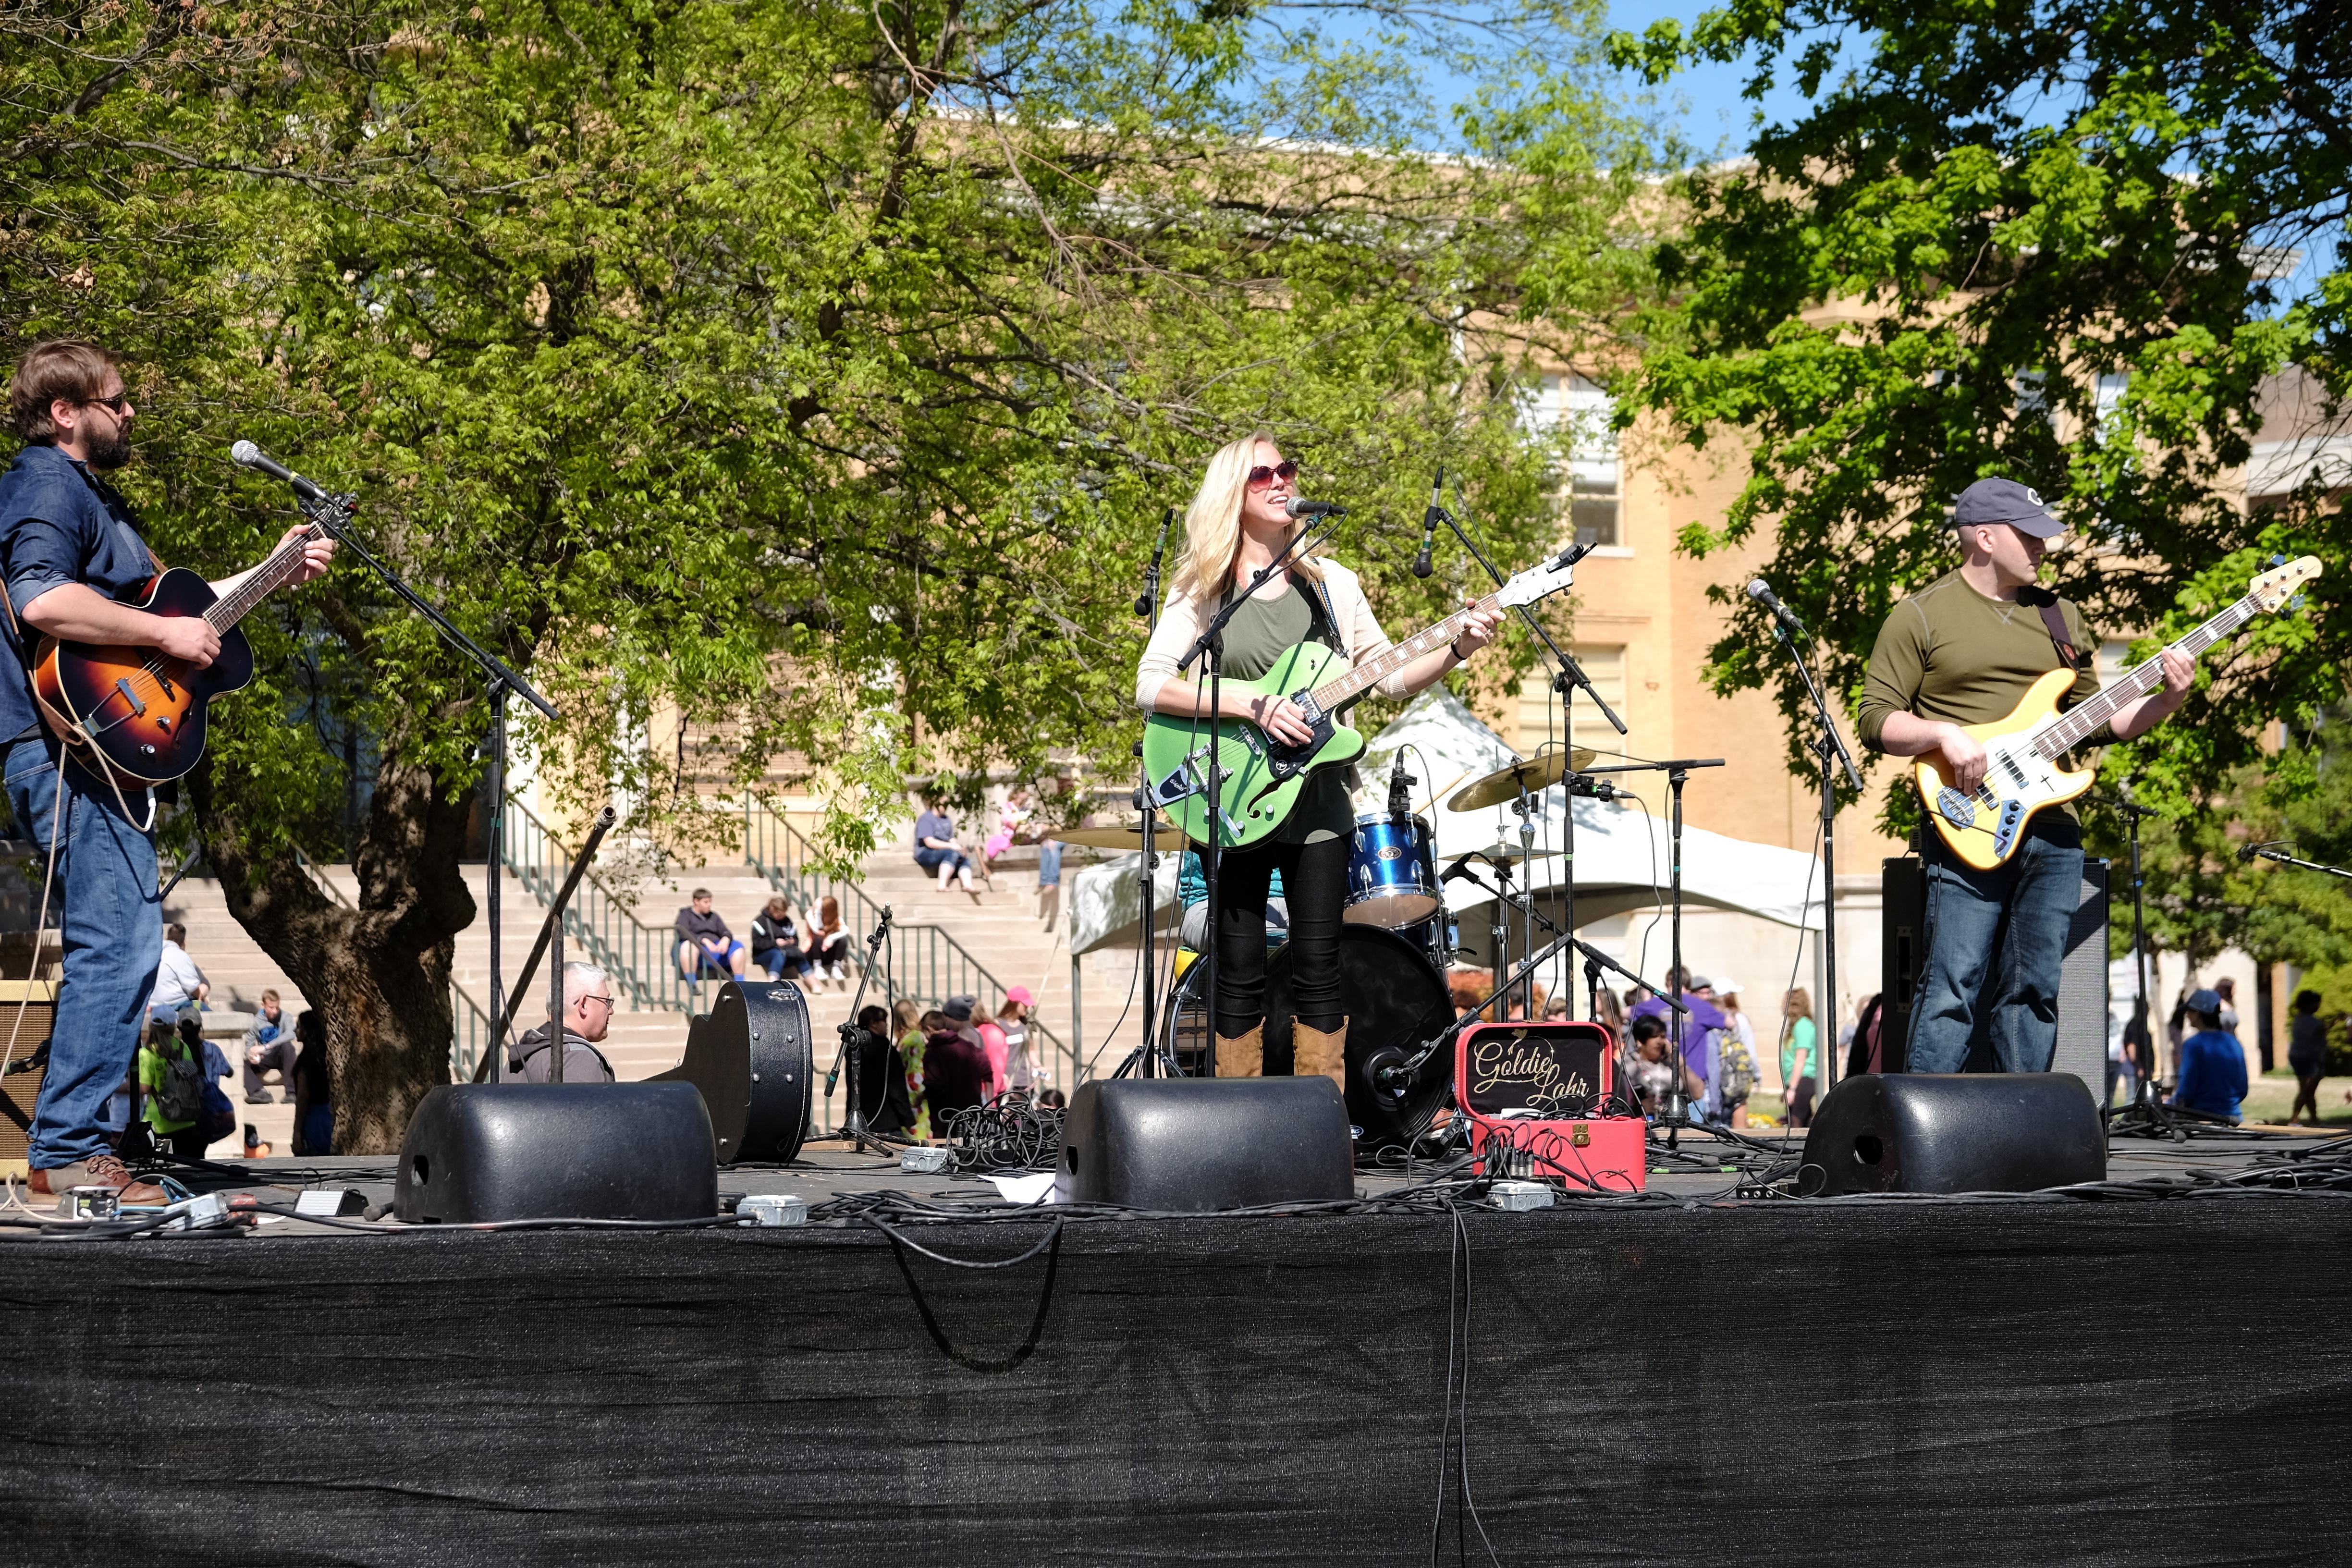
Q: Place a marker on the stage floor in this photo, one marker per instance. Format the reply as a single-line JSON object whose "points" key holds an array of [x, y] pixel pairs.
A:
{"points": [[2127, 1379]]}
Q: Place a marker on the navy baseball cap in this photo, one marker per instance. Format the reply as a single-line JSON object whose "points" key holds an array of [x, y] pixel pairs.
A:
{"points": [[2006, 500]]}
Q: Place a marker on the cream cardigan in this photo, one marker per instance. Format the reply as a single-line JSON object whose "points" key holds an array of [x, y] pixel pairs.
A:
{"points": [[1182, 618]]}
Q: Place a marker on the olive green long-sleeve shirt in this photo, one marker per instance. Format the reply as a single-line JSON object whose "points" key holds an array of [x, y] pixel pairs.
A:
{"points": [[1948, 654]]}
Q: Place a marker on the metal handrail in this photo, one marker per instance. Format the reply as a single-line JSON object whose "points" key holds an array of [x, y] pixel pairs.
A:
{"points": [[923, 962], [469, 1033], [640, 958]]}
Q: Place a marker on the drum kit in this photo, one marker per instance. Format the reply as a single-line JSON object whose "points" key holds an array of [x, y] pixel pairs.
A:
{"points": [[1396, 944]]}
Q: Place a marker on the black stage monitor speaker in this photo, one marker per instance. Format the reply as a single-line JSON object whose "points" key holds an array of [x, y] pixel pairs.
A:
{"points": [[1192, 1144], [555, 1150], [1958, 1132], [2082, 982]]}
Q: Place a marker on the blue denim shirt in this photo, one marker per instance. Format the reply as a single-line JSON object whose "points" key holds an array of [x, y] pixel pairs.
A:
{"points": [[59, 523]]}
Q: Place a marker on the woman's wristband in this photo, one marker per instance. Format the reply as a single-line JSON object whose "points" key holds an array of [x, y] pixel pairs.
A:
{"points": [[1455, 647]]}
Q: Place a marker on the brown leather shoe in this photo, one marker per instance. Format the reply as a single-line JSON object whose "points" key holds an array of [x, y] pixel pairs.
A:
{"points": [[1242, 1056], [98, 1171], [1316, 1052]]}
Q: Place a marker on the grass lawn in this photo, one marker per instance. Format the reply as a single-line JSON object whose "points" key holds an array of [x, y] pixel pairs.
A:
{"points": [[2268, 1097]]}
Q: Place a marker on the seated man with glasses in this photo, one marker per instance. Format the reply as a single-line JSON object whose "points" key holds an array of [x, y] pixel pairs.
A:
{"points": [[587, 1019]]}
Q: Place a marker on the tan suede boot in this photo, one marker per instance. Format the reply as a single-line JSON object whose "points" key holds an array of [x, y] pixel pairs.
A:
{"points": [[1312, 1051], [1242, 1056]]}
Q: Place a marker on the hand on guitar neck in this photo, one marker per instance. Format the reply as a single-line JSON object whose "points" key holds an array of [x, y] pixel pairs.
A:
{"points": [[76, 611]]}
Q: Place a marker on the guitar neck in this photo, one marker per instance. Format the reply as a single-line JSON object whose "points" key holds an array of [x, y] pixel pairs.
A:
{"points": [[1345, 689], [2078, 723], [264, 579]]}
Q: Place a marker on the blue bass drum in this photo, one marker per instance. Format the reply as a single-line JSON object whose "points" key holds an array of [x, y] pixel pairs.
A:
{"points": [[1393, 876]]}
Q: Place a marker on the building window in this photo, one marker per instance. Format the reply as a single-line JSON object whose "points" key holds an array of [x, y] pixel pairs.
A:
{"points": [[1581, 415], [1539, 706]]}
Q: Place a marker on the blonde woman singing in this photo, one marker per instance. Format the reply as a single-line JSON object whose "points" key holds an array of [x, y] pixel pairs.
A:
{"points": [[1236, 526]]}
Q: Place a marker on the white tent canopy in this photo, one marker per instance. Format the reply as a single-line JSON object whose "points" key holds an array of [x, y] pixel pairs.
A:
{"points": [[1622, 851]]}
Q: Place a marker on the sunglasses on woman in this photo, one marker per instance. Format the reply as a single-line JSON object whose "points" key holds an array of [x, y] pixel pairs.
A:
{"points": [[1262, 476]]}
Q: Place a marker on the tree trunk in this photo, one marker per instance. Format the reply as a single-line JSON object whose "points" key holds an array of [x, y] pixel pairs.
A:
{"points": [[378, 974]]}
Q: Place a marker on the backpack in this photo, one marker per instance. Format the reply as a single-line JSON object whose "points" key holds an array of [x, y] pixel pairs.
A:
{"points": [[1738, 1069], [180, 1095]]}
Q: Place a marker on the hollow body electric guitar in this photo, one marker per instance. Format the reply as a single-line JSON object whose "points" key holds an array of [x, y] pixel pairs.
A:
{"points": [[1259, 777], [2021, 752], [138, 711]]}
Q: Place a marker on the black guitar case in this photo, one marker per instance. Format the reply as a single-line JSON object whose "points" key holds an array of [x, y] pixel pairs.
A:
{"points": [[750, 1056]]}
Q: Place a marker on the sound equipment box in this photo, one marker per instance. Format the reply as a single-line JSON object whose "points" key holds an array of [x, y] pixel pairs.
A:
{"points": [[1192, 1145], [2082, 984], [479, 1152], [1953, 1133], [21, 1087], [1540, 1100]]}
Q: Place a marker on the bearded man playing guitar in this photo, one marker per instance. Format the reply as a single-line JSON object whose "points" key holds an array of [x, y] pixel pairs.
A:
{"points": [[1964, 650], [71, 555]]}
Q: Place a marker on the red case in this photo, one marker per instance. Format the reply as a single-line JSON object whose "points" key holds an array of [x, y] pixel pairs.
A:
{"points": [[1537, 1087]]}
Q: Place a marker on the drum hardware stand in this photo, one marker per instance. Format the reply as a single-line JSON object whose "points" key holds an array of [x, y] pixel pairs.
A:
{"points": [[1676, 1115], [1569, 676], [853, 1048], [331, 515], [1211, 645], [2146, 1113], [1827, 746]]}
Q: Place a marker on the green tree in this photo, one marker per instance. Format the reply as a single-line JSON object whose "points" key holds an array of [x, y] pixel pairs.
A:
{"points": [[822, 372], [2044, 241]]}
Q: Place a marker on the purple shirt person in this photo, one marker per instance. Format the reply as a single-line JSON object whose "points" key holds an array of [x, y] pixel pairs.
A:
{"points": [[1698, 1052]]}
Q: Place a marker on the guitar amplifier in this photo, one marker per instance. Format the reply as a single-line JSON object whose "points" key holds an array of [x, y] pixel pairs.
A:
{"points": [[21, 1087], [1538, 1103]]}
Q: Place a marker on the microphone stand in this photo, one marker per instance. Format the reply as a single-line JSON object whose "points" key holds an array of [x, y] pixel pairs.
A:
{"points": [[1566, 679], [853, 1049], [2271, 852], [331, 516], [1211, 644], [1828, 746], [1147, 606], [2146, 1114]]}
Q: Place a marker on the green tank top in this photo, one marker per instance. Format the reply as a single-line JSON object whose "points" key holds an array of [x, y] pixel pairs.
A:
{"points": [[1261, 631]]}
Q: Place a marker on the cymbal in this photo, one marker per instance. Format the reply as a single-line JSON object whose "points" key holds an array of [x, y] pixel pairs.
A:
{"points": [[1503, 785], [1163, 836], [1498, 850]]}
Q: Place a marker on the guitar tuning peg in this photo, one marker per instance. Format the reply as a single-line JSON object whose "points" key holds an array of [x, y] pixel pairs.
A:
{"points": [[2278, 560]]}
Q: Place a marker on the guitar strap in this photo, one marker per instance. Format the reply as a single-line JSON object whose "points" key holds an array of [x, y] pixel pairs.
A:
{"points": [[2067, 653]]}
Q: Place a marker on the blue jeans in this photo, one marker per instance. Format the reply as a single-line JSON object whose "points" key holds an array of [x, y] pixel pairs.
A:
{"points": [[1996, 941], [113, 927]]}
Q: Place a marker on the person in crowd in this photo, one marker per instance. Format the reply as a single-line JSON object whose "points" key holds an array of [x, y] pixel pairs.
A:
{"points": [[955, 1069], [171, 1090], [1556, 1010], [935, 846], [1800, 1052], [219, 1119], [1049, 881], [314, 1102], [2139, 1047], [1192, 892], [1012, 822], [1652, 1075], [2119, 1063], [1053, 1100], [1610, 1011], [990, 1035], [882, 1095], [1012, 1020], [776, 941], [2306, 1054], [2213, 1063], [255, 1146], [268, 1044], [180, 986], [2226, 988], [1697, 1034], [1738, 1053], [588, 1007], [705, 945], [907, 1029], [1864, 1037], [829, 942]]}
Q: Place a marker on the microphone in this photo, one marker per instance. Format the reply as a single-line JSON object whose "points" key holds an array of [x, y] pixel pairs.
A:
{"points": [[1429, 523], [1400, 783], [1595, 789], [252, 456], [1143, 600], [1761, 591], [1296, 507], [2246, 854]]}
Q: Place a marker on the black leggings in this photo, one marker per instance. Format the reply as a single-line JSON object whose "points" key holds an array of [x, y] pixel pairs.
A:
{"points": [[1314, 882]]}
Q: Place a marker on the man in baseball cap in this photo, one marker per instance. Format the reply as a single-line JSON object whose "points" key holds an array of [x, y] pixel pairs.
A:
{"points": [[1960, 654]]}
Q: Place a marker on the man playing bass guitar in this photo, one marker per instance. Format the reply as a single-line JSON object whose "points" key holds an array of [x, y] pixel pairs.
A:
{"points": [[1963, 650], [71, 553]]}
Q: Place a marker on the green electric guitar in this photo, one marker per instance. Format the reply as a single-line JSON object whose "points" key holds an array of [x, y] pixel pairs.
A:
{"points": [[1259, 778]]}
